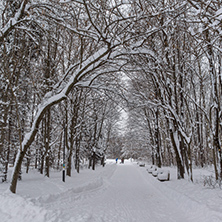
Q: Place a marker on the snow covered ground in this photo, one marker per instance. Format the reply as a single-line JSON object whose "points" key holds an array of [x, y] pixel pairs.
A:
{"points": [[117, 192]]}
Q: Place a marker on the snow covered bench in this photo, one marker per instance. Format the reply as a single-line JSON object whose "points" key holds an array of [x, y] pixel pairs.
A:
{"points": [[164, 175], [153, 170], [150, 169], [141, 164], [156, 171], [161, 174]]}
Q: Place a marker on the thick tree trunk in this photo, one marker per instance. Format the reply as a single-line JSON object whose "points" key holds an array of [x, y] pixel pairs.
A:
{"points": [[69, 164], [103, 161], [215, 163], [47, 165], [16, 172], [180, 168]]}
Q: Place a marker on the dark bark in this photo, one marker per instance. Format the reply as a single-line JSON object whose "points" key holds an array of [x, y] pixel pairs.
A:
{"points": [[103, 161], [180, 168], [94, 161], [157, 138], [28, 158], [77, 160], [90, 163], [47, 142]]}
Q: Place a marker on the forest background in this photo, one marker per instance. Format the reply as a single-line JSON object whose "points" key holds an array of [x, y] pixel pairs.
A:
{"points": [[69, 68]]}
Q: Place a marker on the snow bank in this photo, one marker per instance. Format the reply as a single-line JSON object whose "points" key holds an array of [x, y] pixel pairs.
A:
{"points": [[35, 192], [86, 187], [198, 203], [14, 208]]}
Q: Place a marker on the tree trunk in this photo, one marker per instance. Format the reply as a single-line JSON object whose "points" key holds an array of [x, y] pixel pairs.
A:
{"points": [[216, 99], [47, 142], [28, 161], [69, 164], [77, 155], [90, 163], [103, 161], [42, 163], [37, 154], [59, 152], [16, 172], [157, 138], [8, 152], [180, 168], [47, 164]]}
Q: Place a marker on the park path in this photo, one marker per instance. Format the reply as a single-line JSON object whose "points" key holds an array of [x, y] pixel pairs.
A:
{"points": [[126, 195]]}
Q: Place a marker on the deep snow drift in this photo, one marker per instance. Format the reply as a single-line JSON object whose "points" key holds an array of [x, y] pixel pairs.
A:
{"points": [[117, 192]]}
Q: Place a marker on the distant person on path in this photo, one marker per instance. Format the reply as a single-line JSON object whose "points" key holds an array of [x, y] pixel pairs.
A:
{"points": [[122, 160], [116, 160]]}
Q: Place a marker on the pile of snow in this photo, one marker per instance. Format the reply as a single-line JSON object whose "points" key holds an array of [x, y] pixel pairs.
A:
{"points": [[15, 208]]}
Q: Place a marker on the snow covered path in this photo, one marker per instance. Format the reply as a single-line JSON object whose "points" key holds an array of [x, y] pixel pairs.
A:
{"points": [[117, 192], [126, 196]]}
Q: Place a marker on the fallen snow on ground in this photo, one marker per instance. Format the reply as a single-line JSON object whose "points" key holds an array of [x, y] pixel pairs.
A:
{"points": [[116, 192]]}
